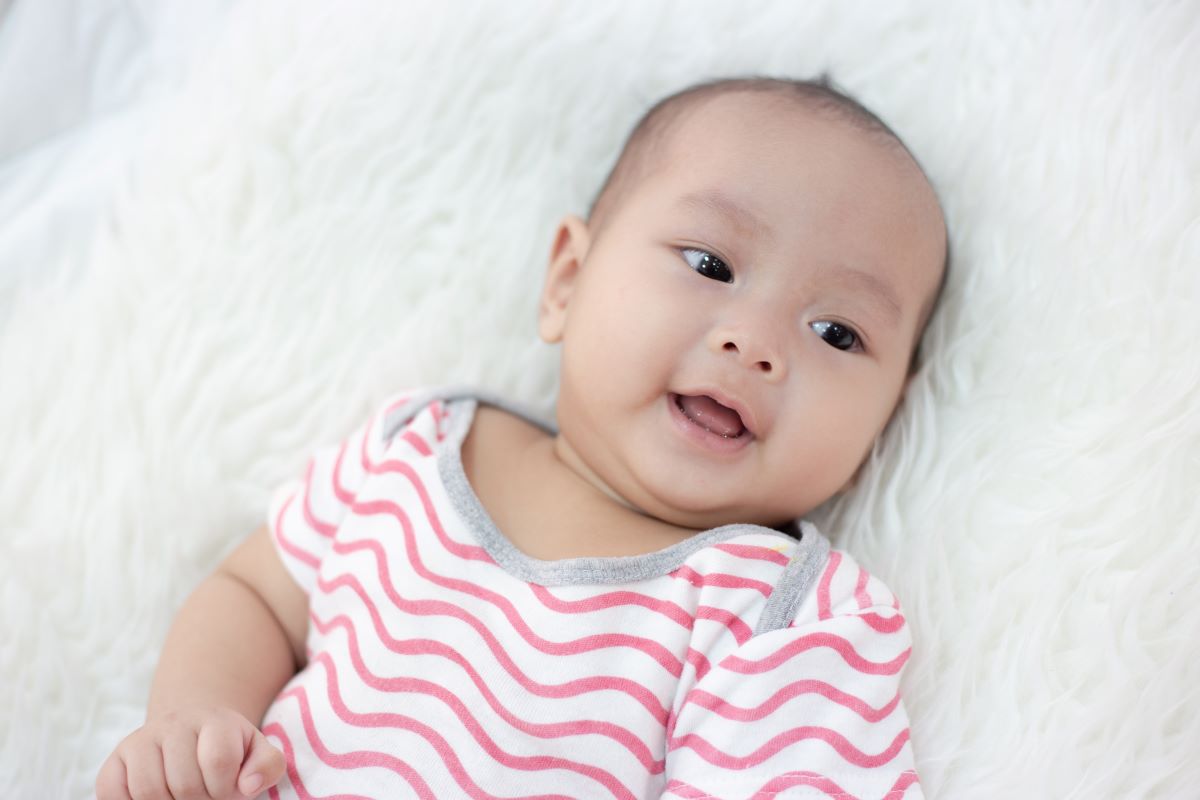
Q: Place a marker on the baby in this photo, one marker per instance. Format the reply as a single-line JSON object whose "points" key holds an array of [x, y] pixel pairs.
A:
{"points": [[463, 601]]}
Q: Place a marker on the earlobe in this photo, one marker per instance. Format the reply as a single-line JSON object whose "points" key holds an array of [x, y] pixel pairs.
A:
{"points": [[567, 254]]}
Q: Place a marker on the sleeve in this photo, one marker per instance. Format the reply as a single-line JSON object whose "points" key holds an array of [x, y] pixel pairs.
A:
{"points": [[305, 513], [809, 710]]}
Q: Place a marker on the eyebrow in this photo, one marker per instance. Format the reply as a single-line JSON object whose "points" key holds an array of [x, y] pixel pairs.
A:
{"points": [[872, 285], [725, 206]]}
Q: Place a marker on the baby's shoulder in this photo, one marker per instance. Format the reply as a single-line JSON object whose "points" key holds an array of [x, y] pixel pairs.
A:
{"points": [[454, 411], [422, 411], [805, 579], [844, 588]]}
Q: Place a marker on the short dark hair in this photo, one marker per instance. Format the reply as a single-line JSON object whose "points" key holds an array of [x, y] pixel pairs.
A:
{"points": [[819, 94]]}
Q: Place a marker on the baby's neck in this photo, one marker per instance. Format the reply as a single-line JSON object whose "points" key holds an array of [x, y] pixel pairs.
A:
{"points": [[545, 505]]}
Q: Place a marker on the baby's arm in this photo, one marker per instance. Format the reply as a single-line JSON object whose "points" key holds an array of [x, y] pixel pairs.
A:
{"points": [[237, 640]]}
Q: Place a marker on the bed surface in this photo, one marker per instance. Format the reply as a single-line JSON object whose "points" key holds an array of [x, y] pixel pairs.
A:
{"points": [[226, 233]]}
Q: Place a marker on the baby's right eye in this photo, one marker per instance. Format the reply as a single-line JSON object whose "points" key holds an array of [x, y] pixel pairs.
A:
{"points": [[707, 264]]}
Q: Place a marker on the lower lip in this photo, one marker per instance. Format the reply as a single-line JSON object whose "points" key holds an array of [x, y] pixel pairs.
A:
{"points": [[702, 437]]}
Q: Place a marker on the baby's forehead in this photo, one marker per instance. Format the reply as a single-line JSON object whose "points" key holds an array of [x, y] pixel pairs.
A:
{"points": [[708, 131], [694, 132], [781, 155], [770, 122], [787, 172]]}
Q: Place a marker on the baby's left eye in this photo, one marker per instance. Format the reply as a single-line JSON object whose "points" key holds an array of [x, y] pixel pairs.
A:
{"points": [[837, 335], [707, 264]]}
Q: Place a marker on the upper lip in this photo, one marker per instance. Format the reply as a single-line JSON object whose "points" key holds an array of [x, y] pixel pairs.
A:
{"points": [[731, 401]]}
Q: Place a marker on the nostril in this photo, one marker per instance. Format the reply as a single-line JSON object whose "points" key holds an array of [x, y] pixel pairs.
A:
{"points": [[765, 366], [731, 346]]}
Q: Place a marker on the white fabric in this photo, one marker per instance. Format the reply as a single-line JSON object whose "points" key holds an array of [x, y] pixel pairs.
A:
{"points": [[349, 200], [81, 84]]}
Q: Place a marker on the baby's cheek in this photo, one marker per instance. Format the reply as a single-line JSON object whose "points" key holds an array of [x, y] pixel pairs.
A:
{"points": [[820, 456]]}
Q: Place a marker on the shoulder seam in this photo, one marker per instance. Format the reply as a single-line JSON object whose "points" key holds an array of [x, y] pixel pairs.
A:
{"points": [[421, 398], [798, 577]]}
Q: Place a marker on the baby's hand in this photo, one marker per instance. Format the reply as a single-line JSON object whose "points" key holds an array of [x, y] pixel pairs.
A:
{"points": [[196, 753]]}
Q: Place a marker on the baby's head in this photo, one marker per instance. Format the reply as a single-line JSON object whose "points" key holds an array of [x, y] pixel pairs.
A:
{"points": [[740, 311]]}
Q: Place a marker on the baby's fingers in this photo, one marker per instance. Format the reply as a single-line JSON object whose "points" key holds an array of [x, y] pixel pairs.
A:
{"points": [[110, 780], [263, 766], [220, 749], [179, 763]]}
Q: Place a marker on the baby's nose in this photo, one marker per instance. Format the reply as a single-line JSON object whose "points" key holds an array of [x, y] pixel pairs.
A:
{"points": [[752, 351]]}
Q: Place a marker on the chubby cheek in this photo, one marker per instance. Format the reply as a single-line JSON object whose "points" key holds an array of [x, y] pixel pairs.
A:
{"points": [[623, 337], [826, 442]]}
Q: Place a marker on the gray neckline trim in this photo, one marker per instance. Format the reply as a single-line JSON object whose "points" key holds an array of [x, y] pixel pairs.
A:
{"points": [[793, 585]]}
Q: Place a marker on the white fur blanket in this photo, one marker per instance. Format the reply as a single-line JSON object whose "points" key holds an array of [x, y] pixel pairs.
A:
{"points": [[354, 197]]}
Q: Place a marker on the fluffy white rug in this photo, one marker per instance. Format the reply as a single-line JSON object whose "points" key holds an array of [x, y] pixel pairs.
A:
{"points": [[357, 197]]}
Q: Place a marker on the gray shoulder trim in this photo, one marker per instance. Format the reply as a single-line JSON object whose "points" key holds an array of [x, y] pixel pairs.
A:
{"points": [[797, 580], [402, 414]]}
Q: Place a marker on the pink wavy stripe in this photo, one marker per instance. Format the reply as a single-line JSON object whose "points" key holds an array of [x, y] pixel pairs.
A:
{"points": [[740, 630], [463, 551], [860, 589], [553, 730], [633, 689], [324, 528], [606, 600], [824, 611], [356, 758], [275, 730], [728, 710], [340, 491], [396, 402], [773, 787], [810, 641], [824, 604], [439, 415], [722, 580], [585, 644], [686, 790], [755, 552], [672, 611], [418, 444], [718, 757], [699, 662], [883, 624], [382, 719], [290, 547], [906, 779]]}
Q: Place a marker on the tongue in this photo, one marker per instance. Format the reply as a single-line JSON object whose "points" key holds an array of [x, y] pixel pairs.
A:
{"points": [[708, 413]]}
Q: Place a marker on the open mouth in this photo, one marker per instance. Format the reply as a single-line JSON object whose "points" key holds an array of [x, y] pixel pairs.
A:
{"points": [[712, 416]]}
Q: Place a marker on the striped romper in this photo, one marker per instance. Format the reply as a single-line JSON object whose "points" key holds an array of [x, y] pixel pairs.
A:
{"points": [[445, 663]]}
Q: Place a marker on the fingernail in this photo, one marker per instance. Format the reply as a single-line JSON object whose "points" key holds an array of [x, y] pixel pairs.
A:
{"points": [[250, 785]]}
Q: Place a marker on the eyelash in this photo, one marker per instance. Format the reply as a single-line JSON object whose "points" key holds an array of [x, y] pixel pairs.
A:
{"points": [[710, 266]]}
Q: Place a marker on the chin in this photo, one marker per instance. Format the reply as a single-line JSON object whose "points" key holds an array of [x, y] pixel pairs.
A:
{"points": [[703, 512], [687, 510]]}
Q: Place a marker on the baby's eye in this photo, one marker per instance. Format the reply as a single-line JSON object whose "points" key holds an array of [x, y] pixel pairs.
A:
{"points": [[837, 335], [707, 265]]}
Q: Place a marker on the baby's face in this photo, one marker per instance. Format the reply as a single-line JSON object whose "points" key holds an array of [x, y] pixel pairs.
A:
{"points": [[739, 330]]}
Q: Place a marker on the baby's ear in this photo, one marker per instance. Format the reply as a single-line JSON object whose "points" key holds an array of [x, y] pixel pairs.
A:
{"points": [[571, 242]]}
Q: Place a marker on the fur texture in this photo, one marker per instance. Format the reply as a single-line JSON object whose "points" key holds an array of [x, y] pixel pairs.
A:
{"points": [[351, 198]]}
